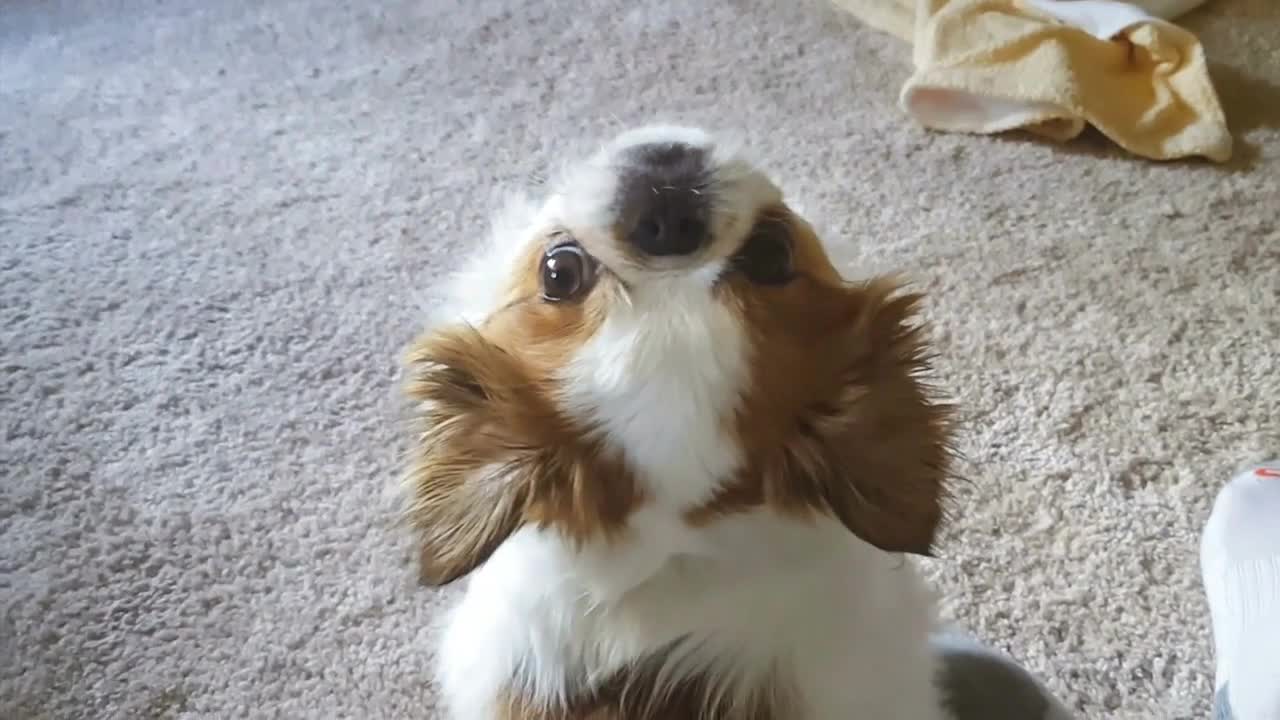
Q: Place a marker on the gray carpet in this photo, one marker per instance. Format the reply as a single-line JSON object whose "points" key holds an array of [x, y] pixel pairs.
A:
{"points": [[219, 219]]}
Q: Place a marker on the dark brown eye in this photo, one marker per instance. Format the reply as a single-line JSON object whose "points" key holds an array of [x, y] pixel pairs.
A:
{"points": [[765, 258], [566, 272]]}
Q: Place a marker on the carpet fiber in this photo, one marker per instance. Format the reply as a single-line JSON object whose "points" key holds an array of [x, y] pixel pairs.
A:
{"points": [[219, 221]]}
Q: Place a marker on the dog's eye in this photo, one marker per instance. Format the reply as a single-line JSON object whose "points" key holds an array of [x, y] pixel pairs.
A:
{"points": [[765, 258], [566, 272]]}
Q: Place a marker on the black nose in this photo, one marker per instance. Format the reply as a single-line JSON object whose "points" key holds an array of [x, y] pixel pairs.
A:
{"points": [[663, 198]]}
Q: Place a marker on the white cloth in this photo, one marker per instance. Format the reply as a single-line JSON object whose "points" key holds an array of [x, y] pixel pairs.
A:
{"points": [[1104, 19]]}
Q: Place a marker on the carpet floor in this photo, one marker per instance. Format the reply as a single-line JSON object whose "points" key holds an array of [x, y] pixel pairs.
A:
{"points": [[219, 220]]}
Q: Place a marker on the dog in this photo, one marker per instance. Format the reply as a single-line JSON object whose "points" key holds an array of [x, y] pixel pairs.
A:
{"points": [[679, 460]]}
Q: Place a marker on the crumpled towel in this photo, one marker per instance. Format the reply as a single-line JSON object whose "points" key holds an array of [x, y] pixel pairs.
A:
{"points": [[1053, 66]]}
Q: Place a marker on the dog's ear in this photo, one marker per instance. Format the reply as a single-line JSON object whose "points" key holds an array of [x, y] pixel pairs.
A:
{"points": [[883, 453], [462, 521], [467, 486], [839, 419], [494, 453]]}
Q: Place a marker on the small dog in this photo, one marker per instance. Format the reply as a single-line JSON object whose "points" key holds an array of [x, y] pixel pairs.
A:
{"points": [[677, 457]]}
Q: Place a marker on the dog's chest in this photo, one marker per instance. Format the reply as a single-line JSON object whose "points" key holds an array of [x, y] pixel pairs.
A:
{"points": [[838, 640], [639, 694]]}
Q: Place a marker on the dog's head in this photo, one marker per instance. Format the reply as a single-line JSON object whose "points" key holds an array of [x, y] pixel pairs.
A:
{"points": [[664, 332]]}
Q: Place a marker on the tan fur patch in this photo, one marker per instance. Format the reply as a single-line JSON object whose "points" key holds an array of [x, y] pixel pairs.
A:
{"points": [[494, 452], [837, 418]]}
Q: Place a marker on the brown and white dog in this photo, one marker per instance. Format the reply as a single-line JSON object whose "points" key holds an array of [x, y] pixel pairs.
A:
{"points": [[677, 457]]}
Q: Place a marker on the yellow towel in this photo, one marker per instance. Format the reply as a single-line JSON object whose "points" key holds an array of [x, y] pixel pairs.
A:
{"points": [[1051, 66]]}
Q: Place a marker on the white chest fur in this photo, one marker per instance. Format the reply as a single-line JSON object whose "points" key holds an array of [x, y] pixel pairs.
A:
{"points": [[847, 625]]}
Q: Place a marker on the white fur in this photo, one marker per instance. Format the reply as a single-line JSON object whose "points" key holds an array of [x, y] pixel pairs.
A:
{"points": [[846, 623], [659, 377], [753, 595]]}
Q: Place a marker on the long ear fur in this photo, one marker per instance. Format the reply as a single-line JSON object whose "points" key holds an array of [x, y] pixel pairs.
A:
{"points": [[839, 420], [883, 445], [494, 454], [467, 494]]}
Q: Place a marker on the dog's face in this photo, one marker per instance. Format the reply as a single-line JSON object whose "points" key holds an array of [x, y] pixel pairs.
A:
{"points": [[663, 332]]}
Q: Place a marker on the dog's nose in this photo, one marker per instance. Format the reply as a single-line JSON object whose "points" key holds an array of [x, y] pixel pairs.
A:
{"points": [[665, 206]]}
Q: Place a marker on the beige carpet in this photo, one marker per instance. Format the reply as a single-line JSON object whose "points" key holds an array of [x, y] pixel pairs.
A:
{"points": [[217, 220]]}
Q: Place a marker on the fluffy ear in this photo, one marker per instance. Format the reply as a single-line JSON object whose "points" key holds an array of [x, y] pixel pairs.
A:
{"points": [[468, 494], [494, 453], [883, 443], [839, 420]]}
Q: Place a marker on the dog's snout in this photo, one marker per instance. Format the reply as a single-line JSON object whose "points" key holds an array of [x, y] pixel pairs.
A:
{"points": [[665, 206], [672, 225]]}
